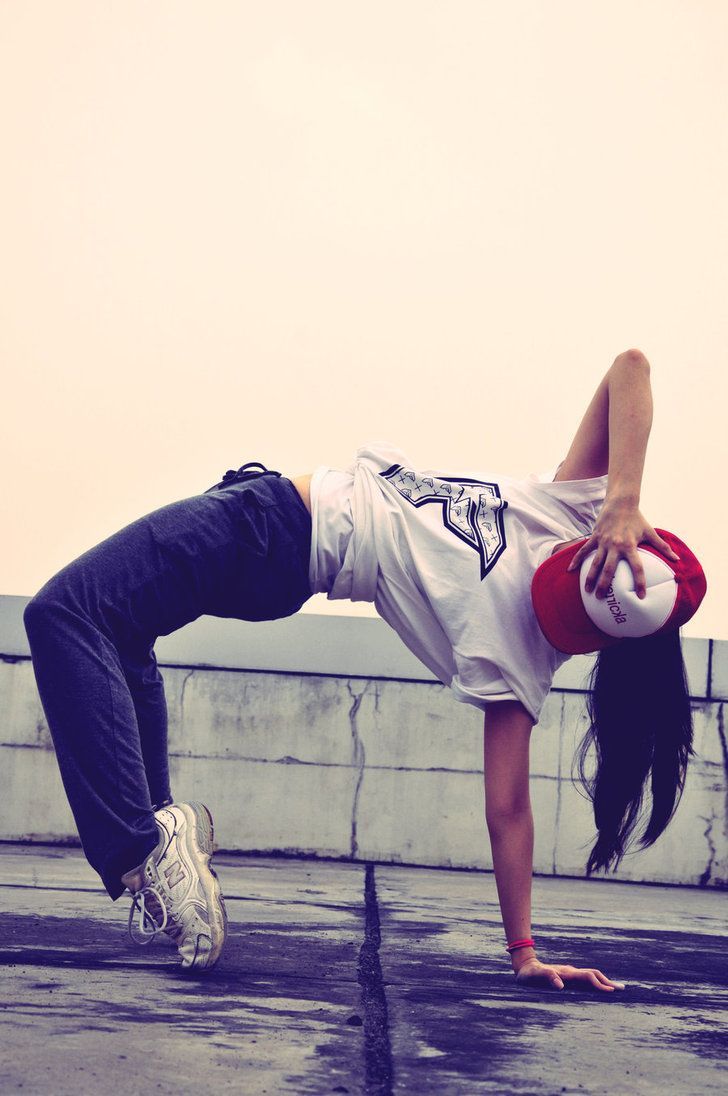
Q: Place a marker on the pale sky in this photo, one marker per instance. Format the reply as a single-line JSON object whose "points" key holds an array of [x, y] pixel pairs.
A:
{"points": [[247, 231]]}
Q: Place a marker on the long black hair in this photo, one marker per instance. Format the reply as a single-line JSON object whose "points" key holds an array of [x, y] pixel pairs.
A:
{"points": [[641, 727]]}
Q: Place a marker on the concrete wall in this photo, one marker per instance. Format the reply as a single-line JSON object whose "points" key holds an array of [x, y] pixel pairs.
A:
{"points": [[324, 736]]}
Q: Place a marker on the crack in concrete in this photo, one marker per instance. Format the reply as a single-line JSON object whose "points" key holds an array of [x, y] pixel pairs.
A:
{"points": [[724, 751], [358, 760], [558, 786], [185, 679], [707, 834], [709, 687], [291, 759], [378, 1063], [187, 753]]}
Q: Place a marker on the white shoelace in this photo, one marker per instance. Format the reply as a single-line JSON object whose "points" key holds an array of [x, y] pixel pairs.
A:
{"points": [[145, 934]]}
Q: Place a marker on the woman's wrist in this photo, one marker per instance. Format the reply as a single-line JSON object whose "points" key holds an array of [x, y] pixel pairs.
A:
{"points": [[622, 497], [521, 956]]}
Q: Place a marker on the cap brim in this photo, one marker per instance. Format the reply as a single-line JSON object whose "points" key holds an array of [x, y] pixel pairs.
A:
{"points": [[690, 578], [559, 608]]}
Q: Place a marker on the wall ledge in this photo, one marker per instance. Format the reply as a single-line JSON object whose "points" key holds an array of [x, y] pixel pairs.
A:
{"points": [[340, 646]]}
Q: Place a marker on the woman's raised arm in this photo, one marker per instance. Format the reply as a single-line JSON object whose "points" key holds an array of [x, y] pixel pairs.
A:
{"points": [[623, 403]]}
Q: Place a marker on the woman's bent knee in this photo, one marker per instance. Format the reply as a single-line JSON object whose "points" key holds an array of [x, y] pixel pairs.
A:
{"points": [[43, 610]]}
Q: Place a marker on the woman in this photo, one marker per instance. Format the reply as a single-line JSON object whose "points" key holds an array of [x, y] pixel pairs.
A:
{"points": [[447, 560]]}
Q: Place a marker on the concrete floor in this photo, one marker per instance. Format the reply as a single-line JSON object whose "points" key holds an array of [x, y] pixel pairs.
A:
{"points": [[354, 978]]}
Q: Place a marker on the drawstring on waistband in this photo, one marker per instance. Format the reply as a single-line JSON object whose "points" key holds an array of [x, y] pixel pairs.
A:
{"points": [[251, 470]]}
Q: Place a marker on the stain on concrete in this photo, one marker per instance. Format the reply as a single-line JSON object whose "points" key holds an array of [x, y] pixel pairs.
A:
{"points": [[365, 993], [274, 978], [461, 1023]]}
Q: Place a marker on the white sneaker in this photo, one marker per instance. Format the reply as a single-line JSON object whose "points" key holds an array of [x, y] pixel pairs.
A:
{"points": [[176, 891]]}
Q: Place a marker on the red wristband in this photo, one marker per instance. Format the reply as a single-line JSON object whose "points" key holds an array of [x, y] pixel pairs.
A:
{"points": [[520, 944]]}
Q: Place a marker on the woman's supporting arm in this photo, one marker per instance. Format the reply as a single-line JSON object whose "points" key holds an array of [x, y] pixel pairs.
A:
{"points": [[506, 742]]}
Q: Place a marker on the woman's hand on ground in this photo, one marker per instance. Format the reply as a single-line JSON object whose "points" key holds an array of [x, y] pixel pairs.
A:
{"points": [[534, 972], [620, 527]]}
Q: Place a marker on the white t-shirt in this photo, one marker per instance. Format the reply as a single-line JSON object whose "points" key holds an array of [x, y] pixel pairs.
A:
{"points": [[448, 560]]}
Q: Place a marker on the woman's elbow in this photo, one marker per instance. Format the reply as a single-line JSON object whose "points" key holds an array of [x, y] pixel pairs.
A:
{"points": [[501, 818], [635, 359]]}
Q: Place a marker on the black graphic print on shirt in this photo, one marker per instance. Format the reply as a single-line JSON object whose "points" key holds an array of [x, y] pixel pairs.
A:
{"points": [[471, 509]]}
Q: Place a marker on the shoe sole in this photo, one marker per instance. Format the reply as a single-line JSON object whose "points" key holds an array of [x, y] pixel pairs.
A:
{"points": [[201, 836]]}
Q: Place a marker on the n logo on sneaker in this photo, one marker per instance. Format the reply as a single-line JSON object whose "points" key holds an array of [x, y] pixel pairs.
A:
{"points": [[176, 870]]}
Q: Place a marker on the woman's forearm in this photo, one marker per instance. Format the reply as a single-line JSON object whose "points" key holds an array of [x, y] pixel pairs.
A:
{"points": [[620, 527], [630, 422], [511, 842], [506, 744]]}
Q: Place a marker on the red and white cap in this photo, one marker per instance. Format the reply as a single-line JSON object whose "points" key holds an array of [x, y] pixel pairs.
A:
{"points": [[575, 622]]}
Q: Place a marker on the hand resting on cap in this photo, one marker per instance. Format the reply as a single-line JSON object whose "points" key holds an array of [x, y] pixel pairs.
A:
{"points": [[619, 529]]}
